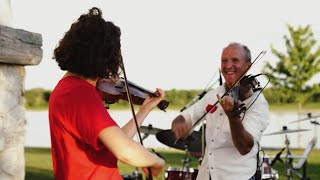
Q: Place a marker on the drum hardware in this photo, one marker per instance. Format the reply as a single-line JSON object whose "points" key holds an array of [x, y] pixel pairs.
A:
{"points": [[288, 156], [309, 117], [288, 161], [186, 164], [277, 158], [185, 173], [192, 142], [135, 175], [285, 130], [315, 122], [147, 130], [268, 173], [173, 173]]}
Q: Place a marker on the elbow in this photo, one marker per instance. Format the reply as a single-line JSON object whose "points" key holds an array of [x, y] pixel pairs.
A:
{"points": [[246, 145], [124, 156], [245, 149], [121, 156], [125, 153]]}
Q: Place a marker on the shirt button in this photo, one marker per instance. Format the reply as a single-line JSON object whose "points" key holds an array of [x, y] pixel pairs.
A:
{"points": [[210, 153], [211, 167], [212, 140], [220, 114], [218, 127]]}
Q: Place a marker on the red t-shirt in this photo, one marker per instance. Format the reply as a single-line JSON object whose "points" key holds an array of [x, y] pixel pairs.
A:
{"points": [[76, 116]]}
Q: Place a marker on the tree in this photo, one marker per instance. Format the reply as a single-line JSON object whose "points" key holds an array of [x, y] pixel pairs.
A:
{"points": [[297, 66]]}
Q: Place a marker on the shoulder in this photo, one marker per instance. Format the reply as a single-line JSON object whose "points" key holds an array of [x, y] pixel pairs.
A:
{"points": [[260, 99]]}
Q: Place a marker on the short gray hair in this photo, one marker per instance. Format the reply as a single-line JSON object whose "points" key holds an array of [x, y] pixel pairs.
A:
{"points": [[245, 48]]}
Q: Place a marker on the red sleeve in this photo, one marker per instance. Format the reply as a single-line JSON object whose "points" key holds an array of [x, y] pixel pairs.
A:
{"points": [[91, 117]]}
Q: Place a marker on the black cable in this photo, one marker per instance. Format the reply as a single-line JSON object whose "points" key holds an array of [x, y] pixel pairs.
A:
{"points": [[260, 91], [261, 150]]}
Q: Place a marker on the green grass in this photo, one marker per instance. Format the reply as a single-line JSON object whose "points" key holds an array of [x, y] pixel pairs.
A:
{"points": [[39, 163]]}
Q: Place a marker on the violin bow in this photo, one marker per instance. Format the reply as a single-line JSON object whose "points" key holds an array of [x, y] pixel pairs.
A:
{"points": [[132, 110], [260, 55]]}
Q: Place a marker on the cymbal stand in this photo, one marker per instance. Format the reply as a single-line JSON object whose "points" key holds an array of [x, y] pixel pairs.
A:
{"points": [[185, 165], [288, 172], [136, 174]]}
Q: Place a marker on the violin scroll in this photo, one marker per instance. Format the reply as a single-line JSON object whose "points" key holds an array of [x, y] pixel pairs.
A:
{"points": [[251, 81]]}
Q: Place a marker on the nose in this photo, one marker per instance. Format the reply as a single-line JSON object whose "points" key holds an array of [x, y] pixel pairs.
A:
{"points": [[228, 64]]}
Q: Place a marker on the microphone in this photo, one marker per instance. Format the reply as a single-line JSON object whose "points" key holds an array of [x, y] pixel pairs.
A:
{"points": [[220, 78], [277, 157], [204, 92]]}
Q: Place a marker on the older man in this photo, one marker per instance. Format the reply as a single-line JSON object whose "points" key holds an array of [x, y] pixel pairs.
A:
{"points": [[231, 137]]}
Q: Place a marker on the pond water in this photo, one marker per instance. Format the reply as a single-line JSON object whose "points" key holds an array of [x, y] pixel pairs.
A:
{"points": [[38, 133]]}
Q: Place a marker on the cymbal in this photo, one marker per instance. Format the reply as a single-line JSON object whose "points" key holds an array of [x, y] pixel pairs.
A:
{"points": [[191, 143], [285, 130], [307, 118], [149, 129]]}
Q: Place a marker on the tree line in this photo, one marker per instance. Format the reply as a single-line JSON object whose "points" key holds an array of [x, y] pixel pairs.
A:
{"points": [[289, 77], [38, 98]]}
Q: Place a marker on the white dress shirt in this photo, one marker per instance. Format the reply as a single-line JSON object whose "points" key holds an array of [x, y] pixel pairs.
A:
{"points": [[221, 158]]}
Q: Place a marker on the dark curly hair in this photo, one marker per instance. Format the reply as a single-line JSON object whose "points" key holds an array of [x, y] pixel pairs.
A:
{"points": [[91, 48]]}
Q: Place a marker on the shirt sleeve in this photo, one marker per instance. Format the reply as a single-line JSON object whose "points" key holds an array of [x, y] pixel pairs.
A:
{"points": [[92, 117], [256, 119], [197, 110]]}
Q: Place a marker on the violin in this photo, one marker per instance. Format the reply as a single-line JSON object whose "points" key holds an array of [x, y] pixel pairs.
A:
{"points": [[111, 92], [243, 90]]}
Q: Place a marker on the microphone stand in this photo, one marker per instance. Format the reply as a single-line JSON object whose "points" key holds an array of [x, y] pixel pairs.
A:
{"points": [[185, 165], [203, 93], [277, 158]]}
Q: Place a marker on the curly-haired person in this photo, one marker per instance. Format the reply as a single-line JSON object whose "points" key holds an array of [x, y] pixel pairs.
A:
{"points": [[86, 142]]}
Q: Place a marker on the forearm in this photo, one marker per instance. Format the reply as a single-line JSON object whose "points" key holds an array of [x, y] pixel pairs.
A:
{"points": [[242, 140], [130, 128], [127, 150], [138, 156]]}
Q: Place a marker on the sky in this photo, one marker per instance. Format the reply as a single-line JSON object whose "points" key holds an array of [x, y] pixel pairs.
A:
{"points": [[168, 44]]}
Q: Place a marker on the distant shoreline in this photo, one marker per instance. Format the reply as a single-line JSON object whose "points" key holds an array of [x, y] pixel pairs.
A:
{"points": [[307, 108]]}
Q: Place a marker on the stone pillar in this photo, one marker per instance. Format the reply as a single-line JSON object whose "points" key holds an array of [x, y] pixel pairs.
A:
{"points": [[17, 49]]}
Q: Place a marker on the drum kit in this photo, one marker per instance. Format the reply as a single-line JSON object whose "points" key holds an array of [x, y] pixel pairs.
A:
{"points": [[269, 172], [193, 145], [135, 175]]}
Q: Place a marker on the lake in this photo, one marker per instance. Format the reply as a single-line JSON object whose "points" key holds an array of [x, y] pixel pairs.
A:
{"points": [[38, 133]]}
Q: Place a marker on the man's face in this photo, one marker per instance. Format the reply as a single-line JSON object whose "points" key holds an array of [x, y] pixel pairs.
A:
{"points": [[233, 63]]}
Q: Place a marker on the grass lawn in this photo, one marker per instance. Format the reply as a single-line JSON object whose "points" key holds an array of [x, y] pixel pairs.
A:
{"points": [[39, 163]]}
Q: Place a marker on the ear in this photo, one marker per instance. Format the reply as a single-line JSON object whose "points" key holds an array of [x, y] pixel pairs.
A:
{"points": [[248, 64]]}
